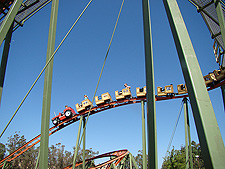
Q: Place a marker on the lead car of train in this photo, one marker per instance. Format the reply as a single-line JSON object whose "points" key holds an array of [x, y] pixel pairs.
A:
{"points": [[210, 80]]}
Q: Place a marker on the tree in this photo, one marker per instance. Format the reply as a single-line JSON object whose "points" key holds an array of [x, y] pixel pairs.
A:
{"points": [[59, 158], [88, 154], [68, 158], [139, 159], [2, 151], [197, 155], [25, 160], [176, 158]]}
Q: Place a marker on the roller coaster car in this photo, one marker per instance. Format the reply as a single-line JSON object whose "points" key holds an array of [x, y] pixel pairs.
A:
{"points": [[67, 113], [125, 93], [182, 89], [168, 90], [141, 92], [209, 79], [219, 74], [85, 104], [104, 98]]}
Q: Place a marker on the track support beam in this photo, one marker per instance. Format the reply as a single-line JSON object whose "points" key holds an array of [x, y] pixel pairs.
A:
{"points": [[223, 95], [188, 149], [208, 130], [43, 162], [150, 85], [84, 122], [5, 26], [220, 16], [143, 136], [77, 143], [133, 160], [4, 60]]}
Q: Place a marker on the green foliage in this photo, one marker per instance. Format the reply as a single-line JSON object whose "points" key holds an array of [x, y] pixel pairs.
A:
{"points": [[88, 154], [139, 159], [27, 159], [58, 157], [2, 151], [176, 159]]}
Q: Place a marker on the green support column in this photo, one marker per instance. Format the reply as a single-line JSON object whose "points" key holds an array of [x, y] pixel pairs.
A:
{"points": [[77, 143], [84, 130], [37, 161], [133, 160], [220, 16], [187, 136], [143, 136], [122, 163], [130, 162], [4, 59], [5, 26], [113, 166], [43, 162], [150, 85], [223, 95], [211, 142], [4, 164]]}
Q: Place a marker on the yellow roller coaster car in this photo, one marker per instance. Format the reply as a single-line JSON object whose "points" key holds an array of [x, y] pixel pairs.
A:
{"points": [[209, 79], [182, 89], [141, 92], [125, 93], [85, 104], [166, 91], [104, 98]]}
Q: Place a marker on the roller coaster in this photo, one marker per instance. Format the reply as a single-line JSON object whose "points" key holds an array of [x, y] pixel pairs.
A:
{"points": [[163, 94], [105, 102]]}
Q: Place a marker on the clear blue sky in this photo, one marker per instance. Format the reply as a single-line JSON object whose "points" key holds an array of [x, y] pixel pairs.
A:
{"points": [[77, 66]]}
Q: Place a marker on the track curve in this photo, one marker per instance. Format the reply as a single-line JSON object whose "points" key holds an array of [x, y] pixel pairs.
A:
{"points": [[94, 110], [118, 155]]}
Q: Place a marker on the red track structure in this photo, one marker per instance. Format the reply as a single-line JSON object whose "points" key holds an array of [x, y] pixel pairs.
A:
{"points": [[118, 156], [94, 110]]}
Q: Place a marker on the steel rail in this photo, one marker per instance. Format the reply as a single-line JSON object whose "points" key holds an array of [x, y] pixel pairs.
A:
{"points": [[94, 110], [119, 155]]}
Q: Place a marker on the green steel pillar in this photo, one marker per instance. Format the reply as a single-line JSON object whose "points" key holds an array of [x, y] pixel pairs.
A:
{"points": [[143, 136], [113, 166], [187, 136], [43, 162], [223, 94], [208, 130], [77, 143], [37, 161], [150, 85], [130, 162], [5, 26], [84, 121], [4, 164], [220, 16], [5, 58], [133, 160]]}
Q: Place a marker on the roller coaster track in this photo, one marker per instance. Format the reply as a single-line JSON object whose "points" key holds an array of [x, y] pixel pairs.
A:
{"points": [[117, 157], [94, 110]]}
